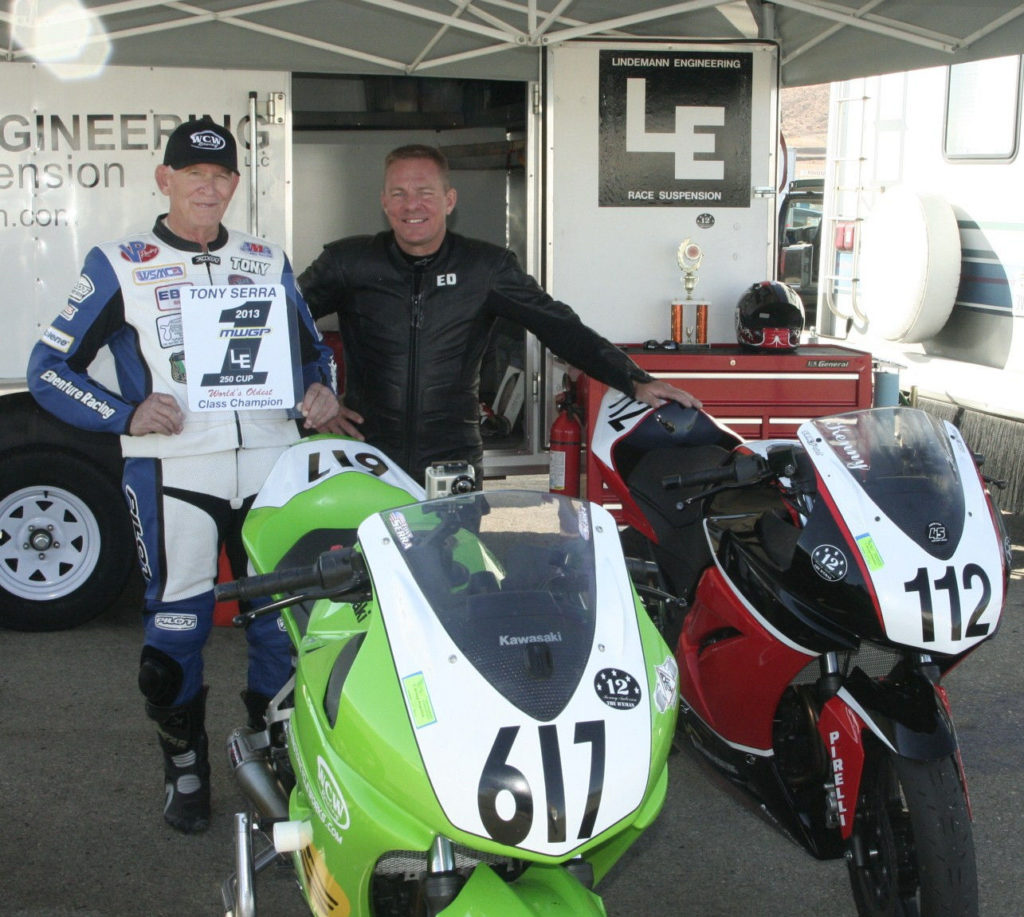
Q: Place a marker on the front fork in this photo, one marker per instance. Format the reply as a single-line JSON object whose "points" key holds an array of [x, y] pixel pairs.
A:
{"points": [[909, 716], [442, 883], [841, 732]]}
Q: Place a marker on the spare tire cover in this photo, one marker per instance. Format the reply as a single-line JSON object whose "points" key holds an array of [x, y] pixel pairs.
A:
{"points": [[909, 265]]}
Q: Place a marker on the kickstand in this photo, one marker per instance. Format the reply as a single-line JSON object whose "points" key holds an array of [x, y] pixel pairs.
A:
{"points": [[238, 892]]}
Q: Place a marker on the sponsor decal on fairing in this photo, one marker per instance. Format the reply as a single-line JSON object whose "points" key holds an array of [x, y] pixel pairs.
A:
{"points": [[618, 689], [401, 528], [829, 562], [667, 681], [324, 794], [527, 639]]}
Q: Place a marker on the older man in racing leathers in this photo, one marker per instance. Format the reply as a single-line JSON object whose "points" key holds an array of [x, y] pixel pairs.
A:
{"points": [[189, 475]]}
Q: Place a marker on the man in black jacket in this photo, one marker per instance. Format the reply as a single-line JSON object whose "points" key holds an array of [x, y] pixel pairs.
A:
{"points": [[415, 309]]}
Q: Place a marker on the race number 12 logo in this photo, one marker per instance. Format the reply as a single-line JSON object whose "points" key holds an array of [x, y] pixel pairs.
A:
{"points": [[246, 326]]}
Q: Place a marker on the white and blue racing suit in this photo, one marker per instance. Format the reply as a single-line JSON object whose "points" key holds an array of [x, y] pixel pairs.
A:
{"points": [[187, 493]]}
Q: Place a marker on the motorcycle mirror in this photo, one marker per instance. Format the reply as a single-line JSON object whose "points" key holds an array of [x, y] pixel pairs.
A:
{"points": [[782, 461]]}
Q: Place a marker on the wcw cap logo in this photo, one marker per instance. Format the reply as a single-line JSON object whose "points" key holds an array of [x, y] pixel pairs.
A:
{"points": [[207, 140], [201, 141]]}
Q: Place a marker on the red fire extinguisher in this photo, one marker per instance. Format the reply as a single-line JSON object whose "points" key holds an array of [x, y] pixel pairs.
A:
{"points": [[566, 443]]}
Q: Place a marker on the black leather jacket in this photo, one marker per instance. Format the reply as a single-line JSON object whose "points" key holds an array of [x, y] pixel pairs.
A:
{"points": [[414, 335]]}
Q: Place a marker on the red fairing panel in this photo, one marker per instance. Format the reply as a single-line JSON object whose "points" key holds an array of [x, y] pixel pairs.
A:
{"points": [[722, 654]]}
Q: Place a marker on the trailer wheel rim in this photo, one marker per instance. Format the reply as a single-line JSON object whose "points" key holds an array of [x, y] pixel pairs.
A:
{"points": [[49, 543]]}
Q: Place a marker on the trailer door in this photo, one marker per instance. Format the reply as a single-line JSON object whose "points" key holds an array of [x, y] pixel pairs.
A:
{"points": [[649, 145]]}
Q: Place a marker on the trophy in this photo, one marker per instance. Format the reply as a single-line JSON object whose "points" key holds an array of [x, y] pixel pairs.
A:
{"points": [[689, 257]]}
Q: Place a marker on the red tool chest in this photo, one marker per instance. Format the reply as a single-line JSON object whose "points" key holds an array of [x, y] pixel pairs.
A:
{"points": [[758, 395]]}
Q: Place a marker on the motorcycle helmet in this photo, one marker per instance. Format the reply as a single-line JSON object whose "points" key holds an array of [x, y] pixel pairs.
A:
{"points": [[769, 316]]}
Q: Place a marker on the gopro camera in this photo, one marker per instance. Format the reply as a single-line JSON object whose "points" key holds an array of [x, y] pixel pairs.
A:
{"points": [[447, 478]]}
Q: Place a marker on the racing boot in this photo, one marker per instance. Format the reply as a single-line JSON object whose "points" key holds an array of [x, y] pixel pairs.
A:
{"points": [[183, 741], [256, 706]]}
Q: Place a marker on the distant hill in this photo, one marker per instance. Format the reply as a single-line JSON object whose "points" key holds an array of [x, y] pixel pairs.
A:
{"points": [[804, 116], [804, 112]]}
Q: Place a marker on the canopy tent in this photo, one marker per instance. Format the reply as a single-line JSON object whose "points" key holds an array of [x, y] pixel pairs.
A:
{"points": [[820, 40]]}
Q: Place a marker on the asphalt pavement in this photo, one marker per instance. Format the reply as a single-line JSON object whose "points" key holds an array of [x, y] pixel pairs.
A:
{"points": [[81, 794]]}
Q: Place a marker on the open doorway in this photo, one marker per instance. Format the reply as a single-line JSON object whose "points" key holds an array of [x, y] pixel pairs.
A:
{"points": [[342, 128]]}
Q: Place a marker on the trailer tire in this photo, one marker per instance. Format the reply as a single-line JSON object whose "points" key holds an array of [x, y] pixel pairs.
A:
{"points": [[66, 548], [909, 265]]}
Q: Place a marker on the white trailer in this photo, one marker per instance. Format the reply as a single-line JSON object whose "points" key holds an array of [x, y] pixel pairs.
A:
{"points": [[923, 243], [77, 161]]}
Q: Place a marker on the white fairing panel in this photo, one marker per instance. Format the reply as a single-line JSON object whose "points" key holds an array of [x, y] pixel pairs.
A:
{"points": [[544, 785], [943, 599], [312, 461]]}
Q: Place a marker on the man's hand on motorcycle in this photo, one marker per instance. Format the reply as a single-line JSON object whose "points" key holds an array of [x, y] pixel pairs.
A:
{"points": [[344, 423], [319, 407], [657, 391], [159, 413]]}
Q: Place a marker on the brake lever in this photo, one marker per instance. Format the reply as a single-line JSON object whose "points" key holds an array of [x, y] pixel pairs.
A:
{"points": [[711, 491], [247, 617]]}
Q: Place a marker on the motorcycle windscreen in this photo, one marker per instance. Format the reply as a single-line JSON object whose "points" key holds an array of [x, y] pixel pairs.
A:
{"points": [[903, 461], [515, 637], [906, 487], [514, 589]]}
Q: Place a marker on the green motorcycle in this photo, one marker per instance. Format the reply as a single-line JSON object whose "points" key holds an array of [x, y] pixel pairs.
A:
{"points": [[481, 709]]}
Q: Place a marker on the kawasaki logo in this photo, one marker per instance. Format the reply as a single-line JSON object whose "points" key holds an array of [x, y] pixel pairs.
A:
{"points": [[507, 640]]}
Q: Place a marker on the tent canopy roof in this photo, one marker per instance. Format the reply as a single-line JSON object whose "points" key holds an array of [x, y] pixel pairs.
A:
{"points": [[820, 40]]}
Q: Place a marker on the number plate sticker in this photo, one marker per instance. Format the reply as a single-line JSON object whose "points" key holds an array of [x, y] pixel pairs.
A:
{"points": [[618, 689], [829, 562]]}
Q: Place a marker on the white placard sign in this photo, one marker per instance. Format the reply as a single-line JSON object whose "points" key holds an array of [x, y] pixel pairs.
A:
{"points": [[238, 347]]}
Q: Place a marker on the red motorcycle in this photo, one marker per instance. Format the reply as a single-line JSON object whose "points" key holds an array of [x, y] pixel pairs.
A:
{"points": [[816, 592]]}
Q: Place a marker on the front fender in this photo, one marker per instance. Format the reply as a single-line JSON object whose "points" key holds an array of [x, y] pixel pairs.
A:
{"points": [[541, 891], [907, 714]]}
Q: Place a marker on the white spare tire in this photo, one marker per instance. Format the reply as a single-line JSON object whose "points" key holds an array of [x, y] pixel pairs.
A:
{"points": [[909, 265]]}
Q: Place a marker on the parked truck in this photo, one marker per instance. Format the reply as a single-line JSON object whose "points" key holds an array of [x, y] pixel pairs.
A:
{"points": [[922, 257]]}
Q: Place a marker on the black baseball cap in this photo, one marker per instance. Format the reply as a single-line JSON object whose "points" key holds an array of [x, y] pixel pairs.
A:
{"points": [[201, 141]]}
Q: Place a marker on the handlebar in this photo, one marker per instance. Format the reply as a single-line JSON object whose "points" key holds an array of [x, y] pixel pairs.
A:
{"points": [[333, 571], [743, 469]]}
